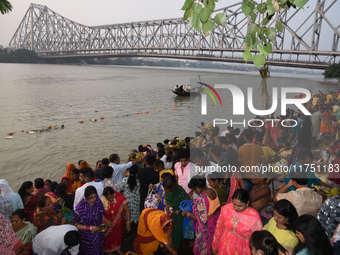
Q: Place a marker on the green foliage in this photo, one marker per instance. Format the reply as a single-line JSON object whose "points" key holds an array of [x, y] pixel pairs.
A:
{"points": [[19, 56], [5, 6], [333, 71], [259, 36]]}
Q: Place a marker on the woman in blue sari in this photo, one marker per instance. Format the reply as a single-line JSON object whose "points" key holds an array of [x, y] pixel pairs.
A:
{"points": [[88, 216]]}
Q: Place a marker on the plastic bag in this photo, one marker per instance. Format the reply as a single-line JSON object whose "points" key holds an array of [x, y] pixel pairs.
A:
{"points": [[188, 224]]}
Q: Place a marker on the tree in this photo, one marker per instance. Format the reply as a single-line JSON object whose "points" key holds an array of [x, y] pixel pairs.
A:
{"points": [[5, 7], [259, 36], [333, 71]]}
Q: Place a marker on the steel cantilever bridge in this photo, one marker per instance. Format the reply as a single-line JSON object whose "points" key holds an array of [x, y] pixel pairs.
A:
{"points": [[298, 45]]}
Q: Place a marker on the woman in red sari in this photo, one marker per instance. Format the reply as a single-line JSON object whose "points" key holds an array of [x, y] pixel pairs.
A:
{"points": [[30, 201], [68, 182], [116, 206]]}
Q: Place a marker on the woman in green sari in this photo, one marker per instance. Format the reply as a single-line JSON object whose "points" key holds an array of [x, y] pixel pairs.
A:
{"points": [[24, 230], [174, 195]]}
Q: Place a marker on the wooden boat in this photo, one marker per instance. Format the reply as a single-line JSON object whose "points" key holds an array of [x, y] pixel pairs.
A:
{"points": [[333, 82], [186, 91]]}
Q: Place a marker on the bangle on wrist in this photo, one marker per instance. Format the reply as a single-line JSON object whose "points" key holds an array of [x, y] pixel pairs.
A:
{"points": [[83, 227], [128, 222]]}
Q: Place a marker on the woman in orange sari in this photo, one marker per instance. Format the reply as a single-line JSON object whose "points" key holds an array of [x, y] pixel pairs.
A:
{"points": [[154, 226], [84, 164], [116, 206], [69, 168], [325, 129], [75, 180]]}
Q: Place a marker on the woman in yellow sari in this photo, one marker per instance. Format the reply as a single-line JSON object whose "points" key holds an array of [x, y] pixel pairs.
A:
{"points": [[154, 226]]}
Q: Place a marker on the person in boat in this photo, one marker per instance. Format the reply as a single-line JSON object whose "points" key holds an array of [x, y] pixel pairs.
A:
{"points": [[176, 88], [181, 88]]}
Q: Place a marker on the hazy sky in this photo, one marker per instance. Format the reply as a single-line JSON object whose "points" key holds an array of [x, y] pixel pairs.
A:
{"points": [[103, 12]]}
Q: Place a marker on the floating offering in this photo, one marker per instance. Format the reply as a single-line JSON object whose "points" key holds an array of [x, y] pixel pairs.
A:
{"points": [[49, 127], [103, 118], [175, 109], [81, 121], [146, 112]]}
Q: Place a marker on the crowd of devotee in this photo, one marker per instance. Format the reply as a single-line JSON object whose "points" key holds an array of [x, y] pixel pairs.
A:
{"points": [[207, 194]]}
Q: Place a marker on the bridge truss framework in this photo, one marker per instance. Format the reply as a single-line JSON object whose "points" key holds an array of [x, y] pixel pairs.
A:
{"points": [[54, 36]]}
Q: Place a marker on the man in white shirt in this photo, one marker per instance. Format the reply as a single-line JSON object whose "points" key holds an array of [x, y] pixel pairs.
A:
{"points": [[224, 133], [86, 176], [57, 240], [201, 166], [118, 169]]}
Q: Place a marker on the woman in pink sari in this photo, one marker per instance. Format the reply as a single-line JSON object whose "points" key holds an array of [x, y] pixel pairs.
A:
{"points": [[52, 193], [235, 226], [272, 133], [206, 210]]}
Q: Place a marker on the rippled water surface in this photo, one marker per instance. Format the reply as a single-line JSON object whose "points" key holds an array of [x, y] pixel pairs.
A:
{"points": [[35, 96]]}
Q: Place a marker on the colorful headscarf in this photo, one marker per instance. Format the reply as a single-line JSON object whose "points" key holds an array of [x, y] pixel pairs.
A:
{"points": [[165, 219], [84, 164], [69, 168]]}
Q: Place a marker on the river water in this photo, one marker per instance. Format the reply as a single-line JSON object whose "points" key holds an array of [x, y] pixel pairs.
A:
{"points": [[35, 96]]}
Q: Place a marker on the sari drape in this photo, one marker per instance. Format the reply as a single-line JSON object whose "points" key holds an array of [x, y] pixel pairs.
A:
{"points": [[174, 198], [334, 175], [30, 208], [234, 185], [114, 214], [52, 196], [69, 168], [84, 164], [69, 185], [150, 231], [75, 186], [44, 220], [92, 242], [26, 236], [234, 230], [9, 242], [205, 226]]}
